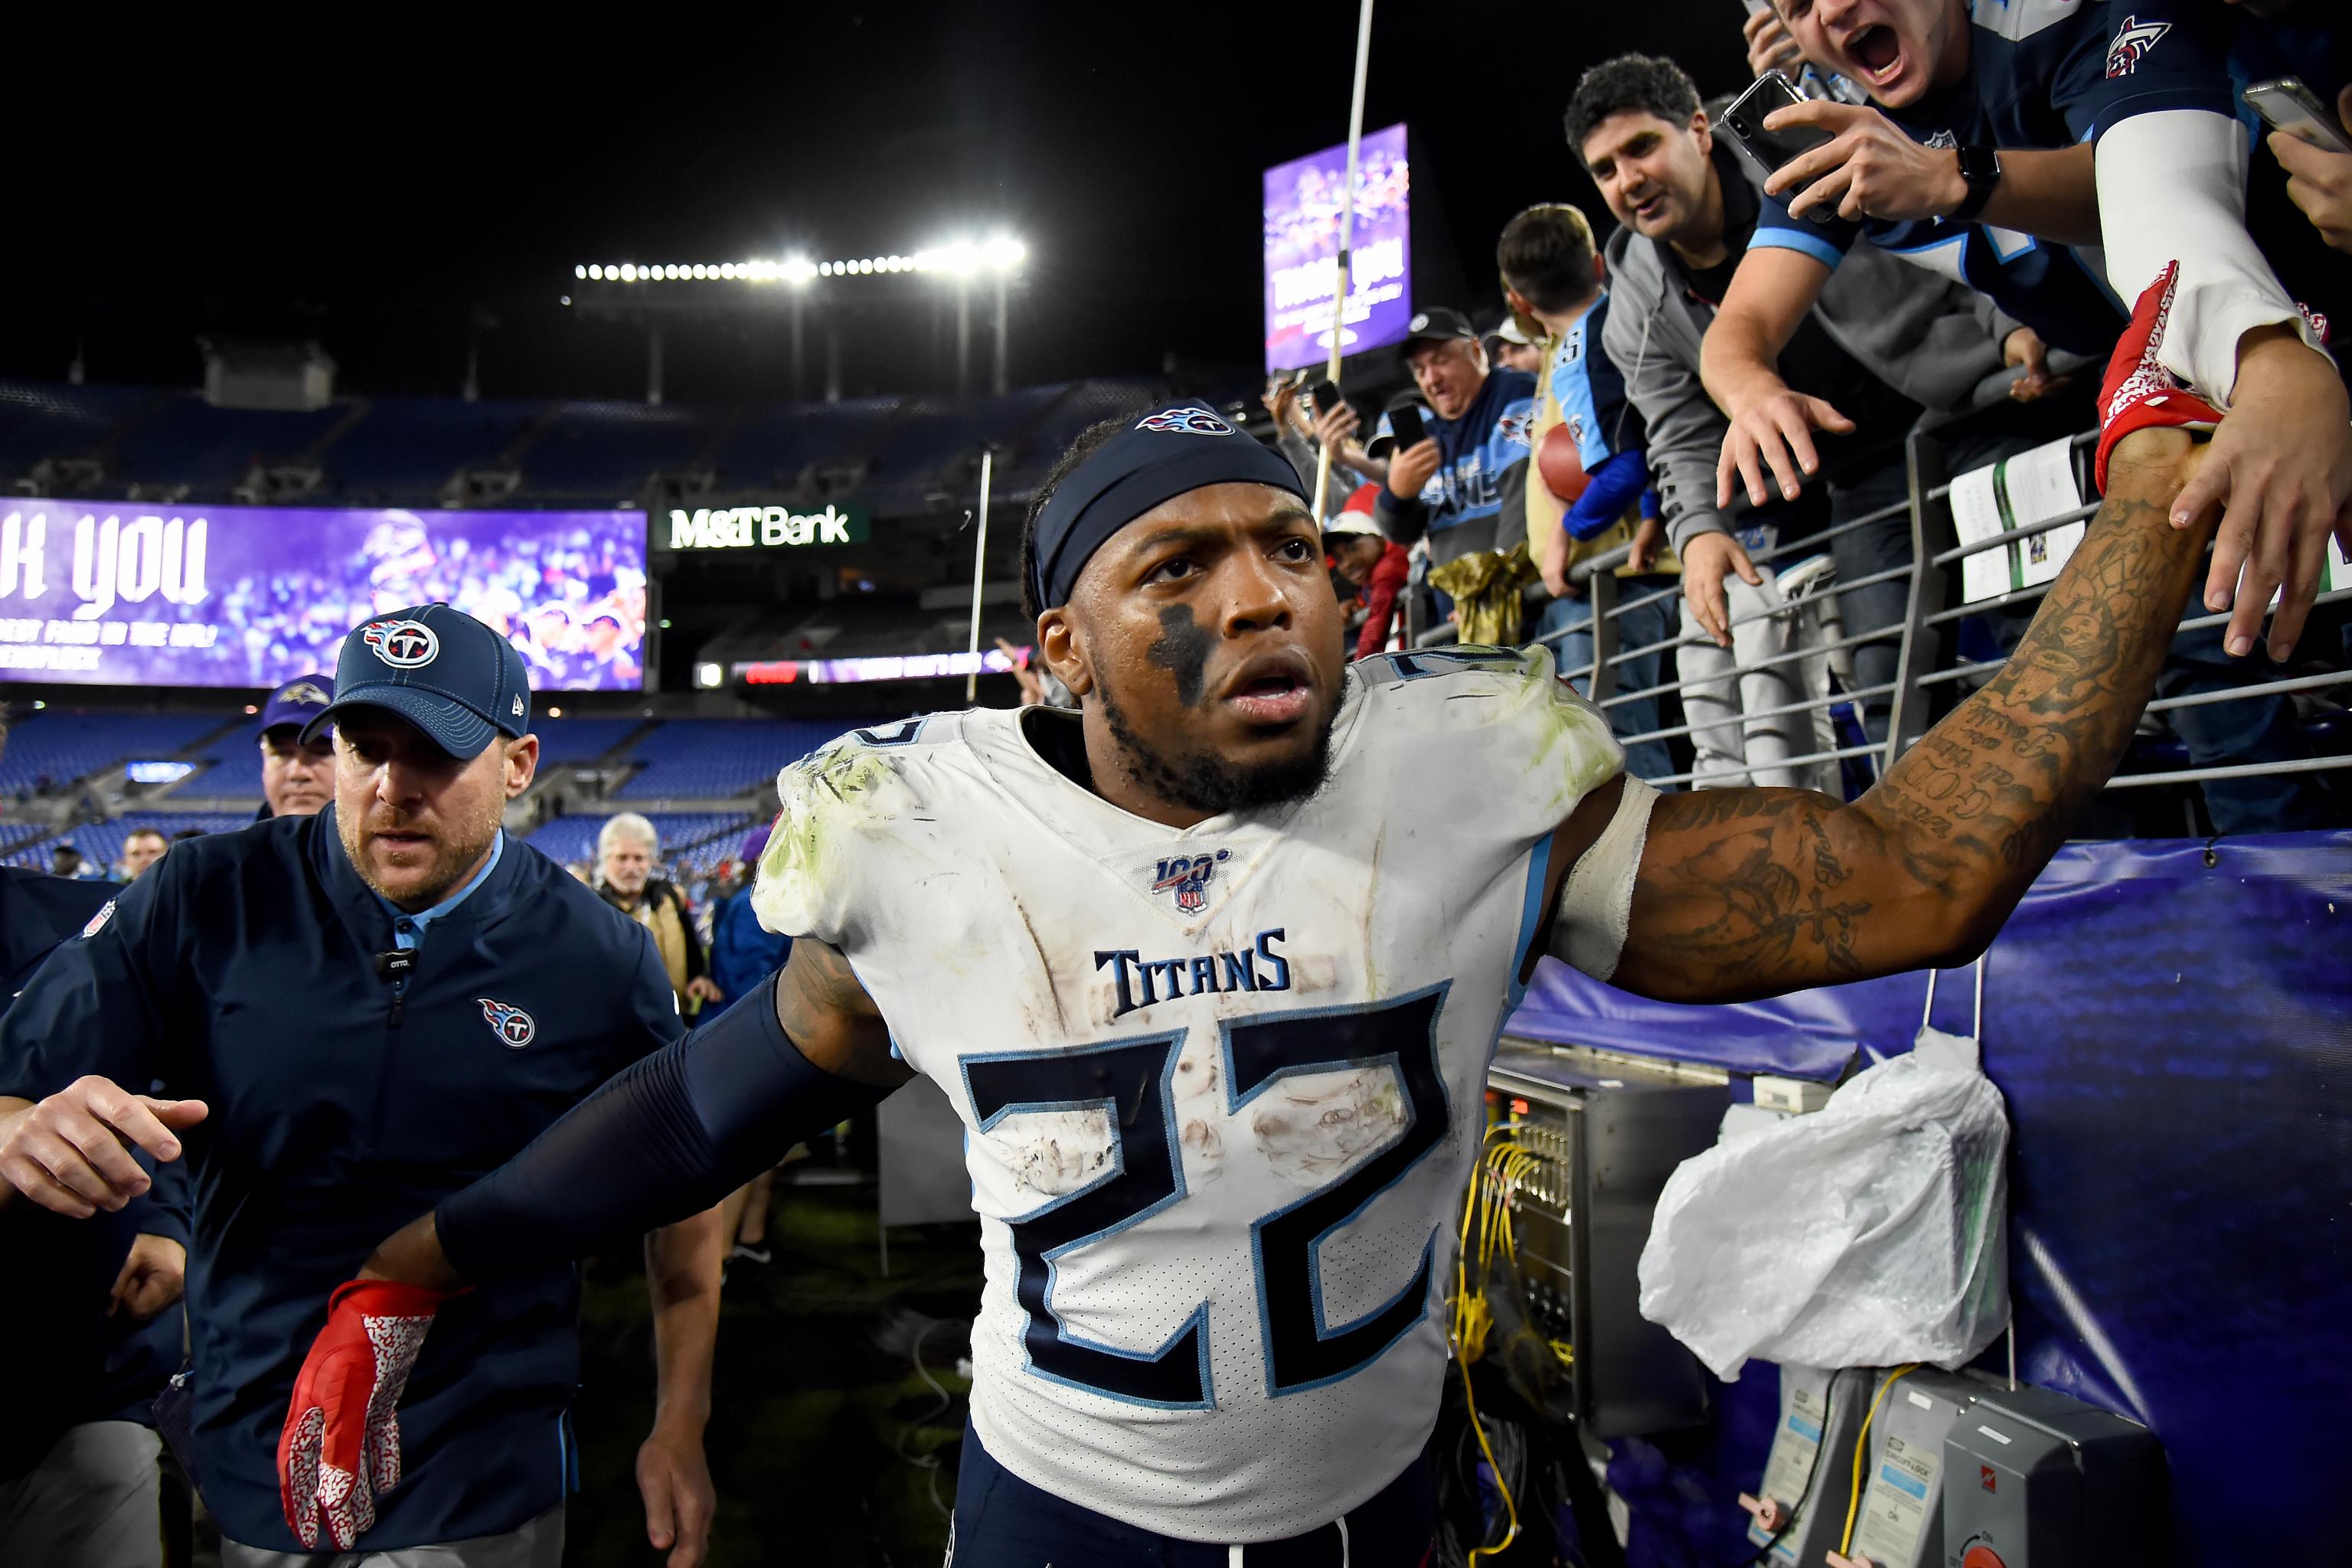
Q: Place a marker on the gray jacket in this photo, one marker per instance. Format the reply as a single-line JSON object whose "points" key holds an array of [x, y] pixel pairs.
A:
{"points": [[1933, 341]]}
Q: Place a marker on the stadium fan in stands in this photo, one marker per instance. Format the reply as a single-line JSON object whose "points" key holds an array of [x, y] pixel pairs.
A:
{"points": [[141, 848], [1977, 134], [1165, 1359], [298, 775], [1301, 430], [1510, 347], [627, 850], [1886, 337], [1981, 131], [1591, 483], [388, 975], [1462, 485], [1376, 564], [67, 861], [78, 1485]]}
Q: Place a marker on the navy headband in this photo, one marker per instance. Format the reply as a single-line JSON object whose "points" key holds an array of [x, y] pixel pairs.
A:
{"points": [[1157, 458]]}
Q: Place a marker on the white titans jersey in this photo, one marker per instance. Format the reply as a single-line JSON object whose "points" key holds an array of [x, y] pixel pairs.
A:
{"points": [[1222, 1087]]}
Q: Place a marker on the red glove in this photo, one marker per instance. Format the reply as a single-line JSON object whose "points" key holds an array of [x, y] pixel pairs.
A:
{"points": [[341, 1442], [2139, 392]]}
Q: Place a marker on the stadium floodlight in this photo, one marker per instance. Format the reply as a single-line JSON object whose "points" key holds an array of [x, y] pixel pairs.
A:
{"points": [[580, 272], [628, 272], [798, 270], [1004, 253]]}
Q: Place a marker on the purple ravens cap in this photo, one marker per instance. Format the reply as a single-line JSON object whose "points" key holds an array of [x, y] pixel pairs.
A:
{"points": [[297, 702], [444, 671]]}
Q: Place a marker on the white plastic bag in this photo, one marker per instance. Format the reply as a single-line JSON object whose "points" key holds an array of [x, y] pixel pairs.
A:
{"points": [[1869, 1232]]}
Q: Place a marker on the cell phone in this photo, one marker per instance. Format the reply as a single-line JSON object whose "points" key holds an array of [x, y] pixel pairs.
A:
{"points": [[1744, 123], [2286, 104], [1323, 396], [1405, 424]]}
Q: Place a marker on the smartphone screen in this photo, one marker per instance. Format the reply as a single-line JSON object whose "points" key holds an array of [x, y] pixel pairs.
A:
{"points": [[2286, 104], [1744, 123], [1405, 424]]}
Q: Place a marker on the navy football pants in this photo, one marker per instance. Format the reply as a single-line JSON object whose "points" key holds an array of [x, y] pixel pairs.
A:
{"points": [[1003, 1521]]}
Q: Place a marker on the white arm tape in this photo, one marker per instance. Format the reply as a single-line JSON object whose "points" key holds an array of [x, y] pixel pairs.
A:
{"points": [[2172, 187], [1596, 901]]}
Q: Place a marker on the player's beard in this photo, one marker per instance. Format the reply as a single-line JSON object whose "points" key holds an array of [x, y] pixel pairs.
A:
{"points": [[1205, 782]]}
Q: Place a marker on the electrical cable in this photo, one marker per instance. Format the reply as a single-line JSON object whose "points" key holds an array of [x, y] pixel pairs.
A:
{"points": [[1853, 1499], [1829, 1400]]}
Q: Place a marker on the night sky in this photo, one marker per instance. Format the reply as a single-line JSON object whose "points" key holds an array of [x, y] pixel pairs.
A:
{"points": [[375, 178]]}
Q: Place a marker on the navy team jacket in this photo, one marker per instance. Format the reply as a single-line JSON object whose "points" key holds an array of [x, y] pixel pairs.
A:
{"points": [[241, 970]]}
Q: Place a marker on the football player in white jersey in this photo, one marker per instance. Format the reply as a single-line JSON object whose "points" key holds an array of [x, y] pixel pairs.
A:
{"points": [[1212, 969]]}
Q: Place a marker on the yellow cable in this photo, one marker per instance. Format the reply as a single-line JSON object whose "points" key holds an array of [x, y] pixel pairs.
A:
{"points": [[1510, 1508], [1853, 1499]]}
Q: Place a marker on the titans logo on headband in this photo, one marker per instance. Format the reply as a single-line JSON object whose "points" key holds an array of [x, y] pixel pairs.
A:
{"points": [[1185, 422]]}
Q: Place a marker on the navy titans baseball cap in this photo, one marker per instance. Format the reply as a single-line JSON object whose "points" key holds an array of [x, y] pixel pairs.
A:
{"points": [[297, 702], [444, 671]]}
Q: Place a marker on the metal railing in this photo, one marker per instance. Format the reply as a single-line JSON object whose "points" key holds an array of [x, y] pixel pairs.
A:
{"points": [[1934, 609]]}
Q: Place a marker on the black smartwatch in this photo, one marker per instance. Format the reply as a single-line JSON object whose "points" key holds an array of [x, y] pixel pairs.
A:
{"points": [[1980, 167]]}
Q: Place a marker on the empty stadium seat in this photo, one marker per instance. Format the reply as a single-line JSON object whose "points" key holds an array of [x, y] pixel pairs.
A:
{"points": [[569, 741], [60, 747], [709, 759], [599, 451], [407, 447], [100, 843], [188, 441], [770, 447], [39, 421]]}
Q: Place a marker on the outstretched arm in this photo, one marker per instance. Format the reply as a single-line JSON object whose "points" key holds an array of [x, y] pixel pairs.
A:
{"points": [[1751, 892], [670, 1137]]}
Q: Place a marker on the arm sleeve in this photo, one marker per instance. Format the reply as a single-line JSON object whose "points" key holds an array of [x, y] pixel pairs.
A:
{"points": [[164, 1209], [1608, 491], [1826, 242], [663, 1141], [2172, 187], [1686, 428], [1301, 453], [1402, 521], [97, 1004]]}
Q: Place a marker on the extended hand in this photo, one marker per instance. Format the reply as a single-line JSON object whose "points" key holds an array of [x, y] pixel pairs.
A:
{"points": [[702, 988], [1335, 424], [71, 1152], [341, 1443], [153, 1276], [1776, 429], [2281, 460], [1648, 540], [674, 1479], [2025, 349], [1706, 559], [1870, 168]]}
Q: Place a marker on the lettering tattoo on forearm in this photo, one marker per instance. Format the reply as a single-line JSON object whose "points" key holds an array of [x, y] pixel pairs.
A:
{"points": [[1747, 893]]}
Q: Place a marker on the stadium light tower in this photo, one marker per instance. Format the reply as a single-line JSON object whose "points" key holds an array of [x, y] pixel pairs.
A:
{"points": [[642, 290]]}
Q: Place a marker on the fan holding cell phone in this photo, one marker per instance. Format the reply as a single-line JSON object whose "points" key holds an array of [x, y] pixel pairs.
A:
{"points": [[2312, 146]]}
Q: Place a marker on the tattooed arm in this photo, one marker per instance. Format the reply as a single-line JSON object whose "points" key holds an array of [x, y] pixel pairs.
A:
{"points": [[1751, 892]]}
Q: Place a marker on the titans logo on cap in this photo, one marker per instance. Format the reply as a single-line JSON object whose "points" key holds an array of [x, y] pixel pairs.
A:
{"points": [[1186, 421], [509, 1023], [404, 645], [1419, 324]]}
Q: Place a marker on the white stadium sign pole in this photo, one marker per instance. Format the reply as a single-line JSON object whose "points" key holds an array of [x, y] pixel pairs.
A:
{"points": [[1347, 237], [979, 568]]}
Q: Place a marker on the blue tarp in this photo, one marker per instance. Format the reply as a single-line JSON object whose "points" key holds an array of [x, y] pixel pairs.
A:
{"points": [[2171, 1026]]}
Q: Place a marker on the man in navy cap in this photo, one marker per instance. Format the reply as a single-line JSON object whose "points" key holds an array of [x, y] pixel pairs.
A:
{"points": [[365, 1009], [297, 774]]}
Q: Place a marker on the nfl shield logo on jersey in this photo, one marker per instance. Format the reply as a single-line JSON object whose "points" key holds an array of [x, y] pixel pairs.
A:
{"points": [[1188, 876], [404, 645], [1189, 420], [509, 1023]]}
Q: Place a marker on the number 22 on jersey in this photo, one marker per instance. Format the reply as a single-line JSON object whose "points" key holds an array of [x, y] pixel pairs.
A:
{"points": [[1131, 1081]]}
